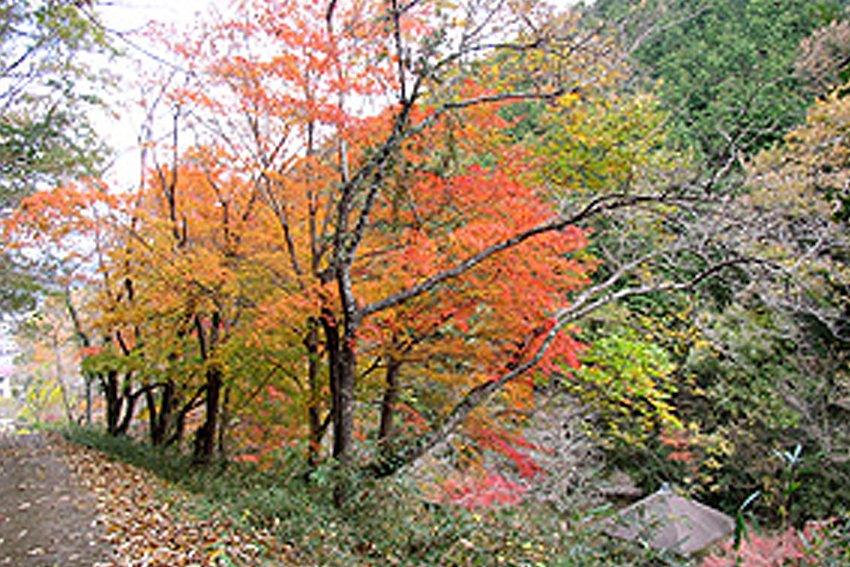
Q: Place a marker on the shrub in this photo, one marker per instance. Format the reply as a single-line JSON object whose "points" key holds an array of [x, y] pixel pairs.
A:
{"points": [[821, 544]]}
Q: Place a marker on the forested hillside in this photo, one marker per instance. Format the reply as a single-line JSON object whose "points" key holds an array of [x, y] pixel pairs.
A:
{"points": [[489, 265]]}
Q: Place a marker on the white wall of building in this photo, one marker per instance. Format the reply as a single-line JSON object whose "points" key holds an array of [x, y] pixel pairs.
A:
{"points": [[7, 360]]}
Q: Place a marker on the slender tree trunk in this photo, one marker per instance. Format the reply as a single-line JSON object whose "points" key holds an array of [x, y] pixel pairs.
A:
{"points": [[341, 373], [386, 429], [178, 421], [129, 405], [344, 423], [88, 399], [225, 419], [153, 417], [166, 410], [333, 352], [314, 417], [205, 436], [344, 419]]}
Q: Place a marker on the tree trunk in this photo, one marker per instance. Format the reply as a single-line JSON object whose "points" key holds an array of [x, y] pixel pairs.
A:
{"points": [[178, 425], [314, 417], [386, 429], [113, 401], [341, 368], [161, 417], [129, 399], [344, 422], [88, 399], [225, 419], [153, 417], [343, 448], [206, 434], [333, 352]]}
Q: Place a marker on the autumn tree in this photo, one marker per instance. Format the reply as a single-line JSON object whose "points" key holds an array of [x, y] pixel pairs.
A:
{"points": [[190, 253], [386, 141], [822, 59], [72, 226]]}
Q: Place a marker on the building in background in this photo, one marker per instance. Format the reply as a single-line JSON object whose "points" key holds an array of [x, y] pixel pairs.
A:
{"points": [[8, 352], [7, 361]]}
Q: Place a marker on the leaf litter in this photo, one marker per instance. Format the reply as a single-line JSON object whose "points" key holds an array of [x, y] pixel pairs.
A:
{"points": [[151, 523]]}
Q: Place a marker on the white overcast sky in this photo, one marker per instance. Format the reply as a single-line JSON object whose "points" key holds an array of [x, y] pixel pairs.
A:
{"points": [[122, 128], [126, 16]]}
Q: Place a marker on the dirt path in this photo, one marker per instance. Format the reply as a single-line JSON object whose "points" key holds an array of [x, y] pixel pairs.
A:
{"points": [[45, 520]]}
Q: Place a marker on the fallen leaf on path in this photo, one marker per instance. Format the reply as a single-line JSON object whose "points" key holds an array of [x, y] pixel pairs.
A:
{"points": [[149, 523]]}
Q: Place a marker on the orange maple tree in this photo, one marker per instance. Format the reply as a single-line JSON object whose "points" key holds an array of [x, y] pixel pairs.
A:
{"points": [[358, 231], [409, 237]]}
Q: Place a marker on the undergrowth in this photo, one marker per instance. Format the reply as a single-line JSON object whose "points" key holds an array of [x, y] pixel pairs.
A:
{"points": [[385, 522]]}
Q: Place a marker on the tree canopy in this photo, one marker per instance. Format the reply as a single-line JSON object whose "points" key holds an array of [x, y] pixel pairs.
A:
{"points": [[49, 85]]}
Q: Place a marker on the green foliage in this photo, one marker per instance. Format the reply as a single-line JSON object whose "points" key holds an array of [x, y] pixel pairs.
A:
{"points": [[46, 91], [743, 371], [17, 284], [807, 542], [769, 385], [749, 393], [605, 143], [725, 66], [625, 381]]}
